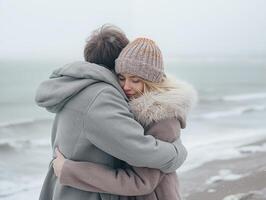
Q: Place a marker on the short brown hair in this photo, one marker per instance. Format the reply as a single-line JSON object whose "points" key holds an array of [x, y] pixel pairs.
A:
{"points": [[104, 46]]}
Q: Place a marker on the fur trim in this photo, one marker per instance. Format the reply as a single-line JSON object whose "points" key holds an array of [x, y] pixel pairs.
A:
{"points": [[155, 106]]}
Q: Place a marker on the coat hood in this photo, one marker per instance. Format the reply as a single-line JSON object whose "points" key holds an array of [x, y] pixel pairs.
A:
{"points": [[155, 106], [66, 82]]}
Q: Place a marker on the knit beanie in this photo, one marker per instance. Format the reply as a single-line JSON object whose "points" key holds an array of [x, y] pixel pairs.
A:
{"points": [[142, 58]]}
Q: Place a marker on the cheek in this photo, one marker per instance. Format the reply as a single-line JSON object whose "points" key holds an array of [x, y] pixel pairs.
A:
{"points": [[140, 87]]}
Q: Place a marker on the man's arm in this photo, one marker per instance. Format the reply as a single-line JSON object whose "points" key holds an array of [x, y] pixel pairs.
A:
{"points": [[110, 126]]}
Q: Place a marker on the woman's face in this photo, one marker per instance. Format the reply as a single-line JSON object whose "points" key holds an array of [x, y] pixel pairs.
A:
{"points": [[132, 85]]}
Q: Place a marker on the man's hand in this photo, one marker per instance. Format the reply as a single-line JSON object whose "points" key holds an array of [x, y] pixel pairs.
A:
{"points": [[58, 163]]}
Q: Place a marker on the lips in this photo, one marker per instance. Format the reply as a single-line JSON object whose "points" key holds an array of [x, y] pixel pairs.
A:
{"points": [[129, 94]]}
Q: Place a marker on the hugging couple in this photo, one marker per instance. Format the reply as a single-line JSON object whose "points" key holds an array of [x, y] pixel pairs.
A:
{"points": [[116, 133]]}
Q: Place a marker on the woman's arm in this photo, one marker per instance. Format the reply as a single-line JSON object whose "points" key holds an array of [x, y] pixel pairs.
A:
{"points": [[100, 178]]}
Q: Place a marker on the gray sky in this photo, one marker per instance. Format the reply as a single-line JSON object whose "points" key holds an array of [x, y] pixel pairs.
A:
{"points": [[56, 29]]}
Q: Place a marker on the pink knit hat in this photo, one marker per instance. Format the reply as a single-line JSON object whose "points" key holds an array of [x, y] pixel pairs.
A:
{"points": [[142, 58]]}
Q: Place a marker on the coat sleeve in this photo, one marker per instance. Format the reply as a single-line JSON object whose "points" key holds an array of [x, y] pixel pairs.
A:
{"points": [[111, 127], [94, 177], [131, 181], [169, 130]]}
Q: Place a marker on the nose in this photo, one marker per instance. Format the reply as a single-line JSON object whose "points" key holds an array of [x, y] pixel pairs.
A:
{"points": [[126, 86]]}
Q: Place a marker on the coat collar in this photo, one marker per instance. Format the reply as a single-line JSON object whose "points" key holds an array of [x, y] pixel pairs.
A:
{"points": [[174, 103]]}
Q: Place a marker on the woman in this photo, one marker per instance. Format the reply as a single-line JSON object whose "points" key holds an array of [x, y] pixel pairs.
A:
{"points": [[160, 105]]}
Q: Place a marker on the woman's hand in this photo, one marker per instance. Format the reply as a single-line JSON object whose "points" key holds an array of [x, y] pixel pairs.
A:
{"points": [[58, 163]]}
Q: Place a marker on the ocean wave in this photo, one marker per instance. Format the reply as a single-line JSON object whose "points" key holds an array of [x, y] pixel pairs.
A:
{"points": [[24, 122], [234, 112], [5, 146], [224, 175], [10, 188], [12, 145], [244, 97], [235, 98], [225, 144]]}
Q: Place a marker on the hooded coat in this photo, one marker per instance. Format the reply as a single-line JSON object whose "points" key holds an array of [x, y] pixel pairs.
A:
{"points": [[163, 115], [93, 124]]}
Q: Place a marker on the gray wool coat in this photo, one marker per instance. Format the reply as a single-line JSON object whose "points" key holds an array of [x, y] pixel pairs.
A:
{"points": [[93, 123]]}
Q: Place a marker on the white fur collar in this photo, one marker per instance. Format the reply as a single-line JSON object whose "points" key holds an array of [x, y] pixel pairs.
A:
{"points": [[154, 106]]}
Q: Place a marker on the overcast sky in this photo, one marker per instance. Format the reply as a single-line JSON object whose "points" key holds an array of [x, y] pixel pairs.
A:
{"points": [[56, 29]]}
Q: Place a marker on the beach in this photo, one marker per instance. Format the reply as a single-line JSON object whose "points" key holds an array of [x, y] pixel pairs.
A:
{"points": [[233, 179]]}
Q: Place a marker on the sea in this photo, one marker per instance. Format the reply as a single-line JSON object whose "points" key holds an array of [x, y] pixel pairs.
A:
{"points": [[230, 113]]}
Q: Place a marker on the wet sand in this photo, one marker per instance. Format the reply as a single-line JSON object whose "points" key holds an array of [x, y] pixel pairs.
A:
{"points": [[235, 179]]}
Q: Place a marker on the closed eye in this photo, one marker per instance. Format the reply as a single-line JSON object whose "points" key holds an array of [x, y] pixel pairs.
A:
{"points": [[135, 80], [121, 78]]}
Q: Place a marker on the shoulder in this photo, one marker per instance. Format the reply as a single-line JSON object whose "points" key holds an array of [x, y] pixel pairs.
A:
{"points": [[100, 89], [98, 94], [107, 97], [109, 93], [165, 129]]}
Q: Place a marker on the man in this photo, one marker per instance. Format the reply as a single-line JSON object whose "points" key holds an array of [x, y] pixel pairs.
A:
{"points": [[93, 122]]}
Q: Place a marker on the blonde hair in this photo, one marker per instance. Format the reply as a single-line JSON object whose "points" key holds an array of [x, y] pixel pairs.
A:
{"points": [[165, 85]]}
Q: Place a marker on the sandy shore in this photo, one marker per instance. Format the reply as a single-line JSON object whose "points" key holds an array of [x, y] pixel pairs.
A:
{"points": [[235, 179]]}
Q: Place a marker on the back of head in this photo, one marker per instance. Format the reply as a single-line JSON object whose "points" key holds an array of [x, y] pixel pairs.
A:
{"points": [[105, 45]]}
